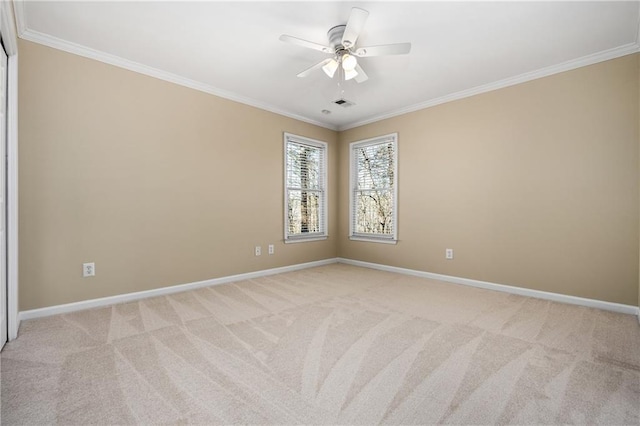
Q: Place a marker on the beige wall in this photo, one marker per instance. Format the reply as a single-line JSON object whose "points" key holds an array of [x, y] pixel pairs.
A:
{"points": [[534, 185], [156, 183]]}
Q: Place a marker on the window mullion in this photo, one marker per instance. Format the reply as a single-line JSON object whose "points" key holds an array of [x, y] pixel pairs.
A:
{"points": [[373, 204], [305, 196]]}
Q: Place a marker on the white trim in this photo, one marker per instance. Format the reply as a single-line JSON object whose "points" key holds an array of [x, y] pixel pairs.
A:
{"points": [[324, 225], [77, 49], [9, 34], [57, 43], [562, 298], [8, 24], [305, 239], [21, 16], [12, 198], [373, 239], [584, 61], [392, 239], [129, 297]]}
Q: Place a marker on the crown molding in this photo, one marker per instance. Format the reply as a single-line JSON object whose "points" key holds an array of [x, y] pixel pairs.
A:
{"points": [[595, 58], [74, 48], [77, 49]]}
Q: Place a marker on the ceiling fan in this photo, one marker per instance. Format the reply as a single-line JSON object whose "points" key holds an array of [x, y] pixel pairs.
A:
{"points": [[342, 47]]}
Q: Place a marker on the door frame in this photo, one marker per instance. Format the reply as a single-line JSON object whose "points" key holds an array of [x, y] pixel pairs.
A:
{"points": [[10, 39]]}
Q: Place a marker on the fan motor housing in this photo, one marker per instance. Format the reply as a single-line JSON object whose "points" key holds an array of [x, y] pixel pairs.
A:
{"points": [[335, 37]]}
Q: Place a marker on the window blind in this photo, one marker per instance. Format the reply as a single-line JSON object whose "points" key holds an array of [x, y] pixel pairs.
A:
{"points": [[305, 181], [373, 188]]}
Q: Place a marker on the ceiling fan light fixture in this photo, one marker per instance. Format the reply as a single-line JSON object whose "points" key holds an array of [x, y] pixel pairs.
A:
{"points": [[349, 74], [349, 62], [343, 50], [330, 68]]}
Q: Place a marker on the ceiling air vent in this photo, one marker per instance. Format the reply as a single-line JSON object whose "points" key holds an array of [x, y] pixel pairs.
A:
{"points": [[344, 103]]}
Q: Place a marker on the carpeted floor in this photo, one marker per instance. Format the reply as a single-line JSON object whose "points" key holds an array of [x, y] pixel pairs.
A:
{"points": [[335, 344]]}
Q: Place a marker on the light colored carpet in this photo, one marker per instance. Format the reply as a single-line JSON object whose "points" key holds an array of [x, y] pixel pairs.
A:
{"points": [[330, 345]]}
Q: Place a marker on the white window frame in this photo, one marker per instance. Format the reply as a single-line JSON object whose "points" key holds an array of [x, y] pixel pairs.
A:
{"points": [[315, 236], [378, 238]]}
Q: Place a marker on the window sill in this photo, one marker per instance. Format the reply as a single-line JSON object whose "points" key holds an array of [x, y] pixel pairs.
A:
{"points": [[373, 239], [305, 239]]}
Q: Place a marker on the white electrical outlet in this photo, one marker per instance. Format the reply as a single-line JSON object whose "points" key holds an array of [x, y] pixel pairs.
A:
{"points": [[258, 250], [272, 249], [448, 254], [88, 269]]}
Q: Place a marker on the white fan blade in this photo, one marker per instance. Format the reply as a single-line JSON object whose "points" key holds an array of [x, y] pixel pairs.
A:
{"points": [[315, 67], [385, 49], [362, 76], [354, 26], [305, 43]]}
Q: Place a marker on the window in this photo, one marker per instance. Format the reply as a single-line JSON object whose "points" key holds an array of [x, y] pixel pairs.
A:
{"points": [[374, 191], [305, 194]]}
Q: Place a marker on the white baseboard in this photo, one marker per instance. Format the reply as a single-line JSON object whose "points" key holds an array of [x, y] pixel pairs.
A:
{"points": [[129, 297], [563, 298]]}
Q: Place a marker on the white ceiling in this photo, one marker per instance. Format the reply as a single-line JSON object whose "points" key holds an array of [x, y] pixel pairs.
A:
{"points": [[231, 49]]}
